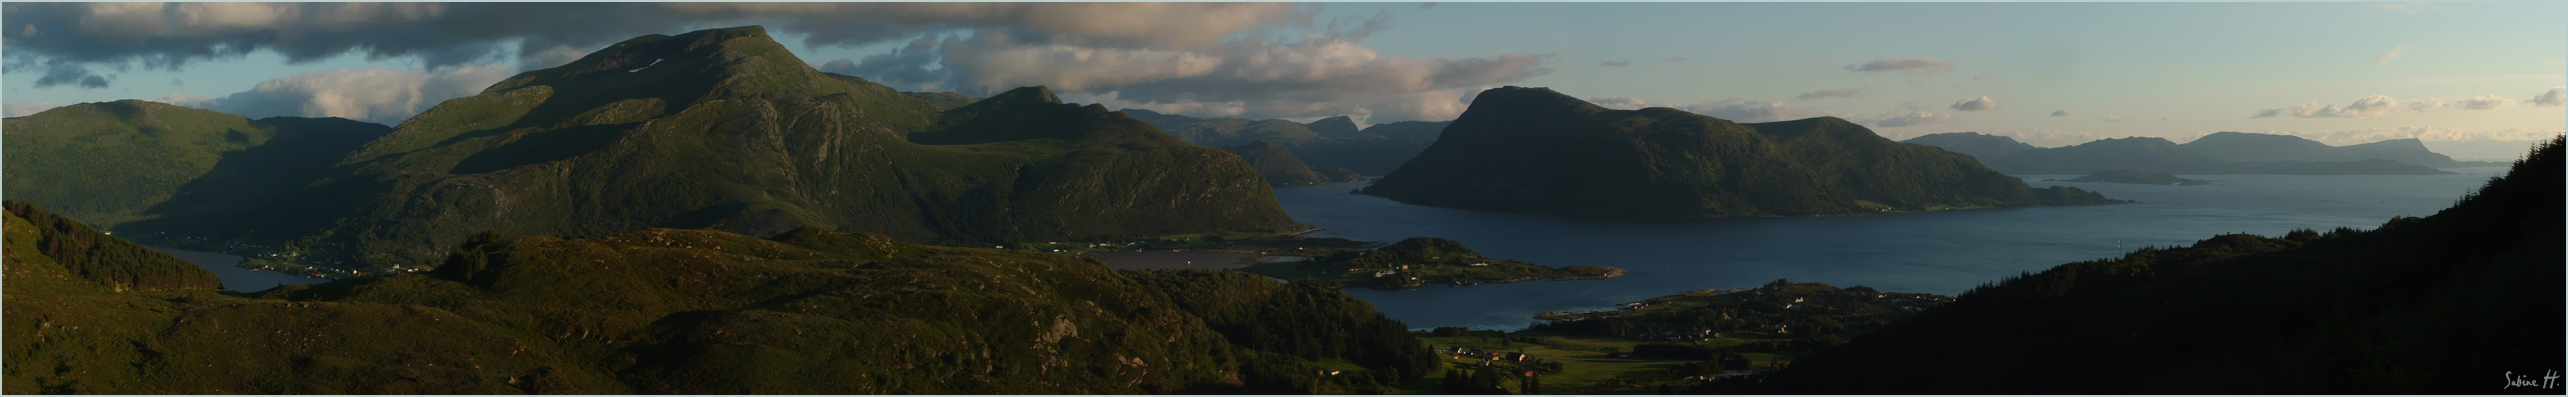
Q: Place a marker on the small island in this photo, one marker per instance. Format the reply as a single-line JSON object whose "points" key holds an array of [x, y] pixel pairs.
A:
{"points": [[1419, 261], [2136, 177]]}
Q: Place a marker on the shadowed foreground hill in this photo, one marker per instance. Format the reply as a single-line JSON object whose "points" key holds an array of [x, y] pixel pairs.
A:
{"points": [[2446, 304], [725, 129], [1535, 150], [697, 312], [115, 162]]}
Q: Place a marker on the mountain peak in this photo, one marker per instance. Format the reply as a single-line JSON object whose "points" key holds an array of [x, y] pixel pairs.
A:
{"points": [[710, 63]]}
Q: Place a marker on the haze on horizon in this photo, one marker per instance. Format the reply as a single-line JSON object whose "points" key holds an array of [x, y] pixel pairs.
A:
{"points": [[2047, 74]]}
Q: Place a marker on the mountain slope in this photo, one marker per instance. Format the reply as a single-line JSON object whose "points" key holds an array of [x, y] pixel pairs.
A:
{"points": [[725, 129], [2241, 146], [2160, 155], [2434, 305], [1326, 143], [1534, 150], [109, 163], [1281, 168], [1983, 147], [698, 312]]}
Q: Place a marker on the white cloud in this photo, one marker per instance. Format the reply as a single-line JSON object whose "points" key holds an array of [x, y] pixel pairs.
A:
{"points": [[1618, 102], [1626, 62], [2368, 107], [1835, 93], [2556, 96], [26, 108], [2485, 102], [1896, 119], [2394, 54], [2058, 113], [1975, 104], [2112, 118], [2425, 104], [1912, 66], [1318, 76], [378, 95]]}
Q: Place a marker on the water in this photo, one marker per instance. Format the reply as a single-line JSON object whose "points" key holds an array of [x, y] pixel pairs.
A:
{"points": [[1942, 252], [235, 278]]}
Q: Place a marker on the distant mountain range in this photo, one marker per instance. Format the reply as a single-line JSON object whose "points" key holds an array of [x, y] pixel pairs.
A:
{"points": [[2221, 153], [720, 129], [110, 163], [1534, 150], [1325, 143]]}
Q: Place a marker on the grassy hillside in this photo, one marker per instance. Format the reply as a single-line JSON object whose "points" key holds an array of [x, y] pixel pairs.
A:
{"points": [[1534, 150], [1281, 168], [111, 163], [725, 129], [694, 312], [2444, 304]]}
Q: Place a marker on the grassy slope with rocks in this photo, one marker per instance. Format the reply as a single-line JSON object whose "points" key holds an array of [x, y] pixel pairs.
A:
{"points": [[694, 312], [1281, 168], [725, 129], [1534, 150]]}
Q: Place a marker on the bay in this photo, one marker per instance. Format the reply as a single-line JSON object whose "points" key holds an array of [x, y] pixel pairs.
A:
{"points": [[235, 278], [1943, 252]]}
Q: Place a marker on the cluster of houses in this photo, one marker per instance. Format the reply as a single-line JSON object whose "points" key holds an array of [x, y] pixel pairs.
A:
{"points": [[1489, 357]]}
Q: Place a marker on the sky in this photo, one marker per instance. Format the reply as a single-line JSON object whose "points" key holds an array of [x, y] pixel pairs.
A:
{"points": [[2050, 74]]}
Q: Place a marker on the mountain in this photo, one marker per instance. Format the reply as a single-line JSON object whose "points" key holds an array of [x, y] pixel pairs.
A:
{"points": [[2435, 305], [109, 163], [1280, 168], [2160, 155], [697, 312], [1535, 150], [1974, 144], [2242, 147], [1341, 147], [726, 129], [2135, 177], [1409, 130], [1333, 126], [942, 101]]}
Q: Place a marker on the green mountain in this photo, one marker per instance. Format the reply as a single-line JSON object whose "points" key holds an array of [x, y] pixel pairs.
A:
{"points": [[1334, 126], [111, 163], [2242, 146], [725, 129], [1280, 168], [1534, 150], [1973, 144], [1341, 146], [942, 101], [2135, 177], [2160, 155], [695, 312], [2444, 304]]}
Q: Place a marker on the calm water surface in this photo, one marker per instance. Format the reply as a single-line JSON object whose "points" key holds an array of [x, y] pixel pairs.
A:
{"points": [[1942, 252], [235, 278]]}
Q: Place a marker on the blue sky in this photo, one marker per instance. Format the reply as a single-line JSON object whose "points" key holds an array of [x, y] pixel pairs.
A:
{"points": [[2339, 72]]}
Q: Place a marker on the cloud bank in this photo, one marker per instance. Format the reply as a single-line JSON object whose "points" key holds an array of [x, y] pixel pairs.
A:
{"points": [[1975, 104], [1911, 66], [376, 95]]}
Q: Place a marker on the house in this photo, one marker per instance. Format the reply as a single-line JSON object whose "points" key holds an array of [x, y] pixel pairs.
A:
{"points": [[1480, 264], [1516, 357]]}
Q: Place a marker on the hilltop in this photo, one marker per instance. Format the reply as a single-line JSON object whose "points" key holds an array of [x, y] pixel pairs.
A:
{"points": [[1535, 150], [110, 163], [2434, 305], [693, 312], [725, 129], [1974, 144]]}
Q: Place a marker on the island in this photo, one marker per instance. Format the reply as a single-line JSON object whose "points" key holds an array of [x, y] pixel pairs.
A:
{"points": [[1535, 150], [1419, 261], [2134, 177]]}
